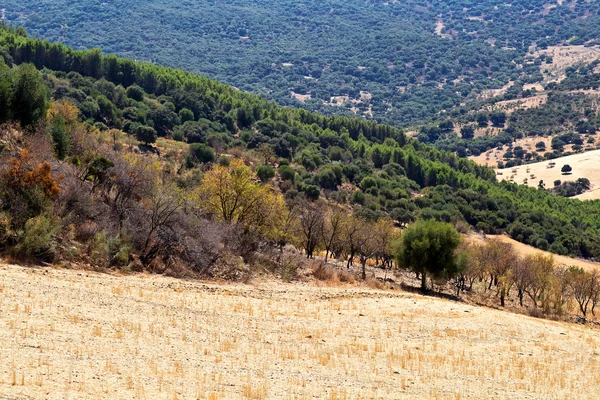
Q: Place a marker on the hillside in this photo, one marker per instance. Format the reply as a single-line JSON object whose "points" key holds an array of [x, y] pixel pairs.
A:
{"points": [[85, 335], [396, 62], [374, 169]]}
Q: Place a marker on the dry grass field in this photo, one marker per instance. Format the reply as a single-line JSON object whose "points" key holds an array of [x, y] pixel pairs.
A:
{"points": [[523, 250], [564, 57], [585, 165], [491, 158], [68, 334]]}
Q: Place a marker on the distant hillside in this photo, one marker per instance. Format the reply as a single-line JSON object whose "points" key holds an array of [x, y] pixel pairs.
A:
{"points": [[392, 61]]}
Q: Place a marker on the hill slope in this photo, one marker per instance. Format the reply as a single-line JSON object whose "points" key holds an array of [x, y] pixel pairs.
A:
{"points": [[389, 60], [85, 335], [374, 168]]}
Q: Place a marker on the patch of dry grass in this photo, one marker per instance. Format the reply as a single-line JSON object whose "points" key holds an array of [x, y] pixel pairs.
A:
{"points": [[74, 334]]}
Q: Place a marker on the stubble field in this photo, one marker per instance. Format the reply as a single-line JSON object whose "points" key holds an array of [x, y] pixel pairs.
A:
{"points": [[81, 335]]}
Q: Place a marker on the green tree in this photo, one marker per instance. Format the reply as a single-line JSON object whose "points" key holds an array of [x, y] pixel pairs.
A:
{"points": [[29, 101], [428, 247], [145, 134], [566, 169], [467, 132], [135, 92], [60, 137], [185, 114], [265, 172], [199, 154]]}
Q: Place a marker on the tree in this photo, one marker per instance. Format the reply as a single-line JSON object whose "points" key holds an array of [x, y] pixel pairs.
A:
{"points": [[135, 92], [428, 247], [332, 229], [312, 219], [467, 131], [499, 256], [265, 172], [231, 194], [498, 119], [566, 169], [29, 101], [482, 120], [584, 286], [541, 270], [60, 137], [185, 114], [145, 134]]}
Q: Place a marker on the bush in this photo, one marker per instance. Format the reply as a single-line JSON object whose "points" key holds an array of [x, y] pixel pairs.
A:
{"points": [[135, 92], [145, 134], [223, 161], [287, 173], [199, 154], [311, 192], [185, 114], [60, 137], [265, 172], [358, 197], [36, 240]]}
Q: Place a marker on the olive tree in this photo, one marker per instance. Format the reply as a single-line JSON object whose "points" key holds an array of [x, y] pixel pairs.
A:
{"points": [[428, 247]]}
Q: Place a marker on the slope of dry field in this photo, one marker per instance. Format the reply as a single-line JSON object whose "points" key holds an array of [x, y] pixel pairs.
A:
{"points": [[523, 249], [585, 165], [81, 335]]}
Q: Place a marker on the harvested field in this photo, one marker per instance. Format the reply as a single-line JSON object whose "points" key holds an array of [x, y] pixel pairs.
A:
{"points": [[523, 250], [492, 157], [83, 335], [585, 165]]}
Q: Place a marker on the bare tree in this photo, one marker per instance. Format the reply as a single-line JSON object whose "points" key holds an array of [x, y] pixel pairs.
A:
{"points": [[311, 226], [332, 229], [542, 268]]}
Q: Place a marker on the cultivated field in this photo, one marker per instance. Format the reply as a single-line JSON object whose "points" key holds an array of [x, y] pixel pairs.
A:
{"points": [[81, 335], [585, 165]]}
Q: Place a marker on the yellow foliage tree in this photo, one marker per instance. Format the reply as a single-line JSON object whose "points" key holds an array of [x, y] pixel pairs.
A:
{"points": [[67, 110], [232, 193]]}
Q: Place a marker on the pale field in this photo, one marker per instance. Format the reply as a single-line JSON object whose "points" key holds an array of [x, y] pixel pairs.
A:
{"points": [[523, 249], [564, 57], [83, 335], [510, 106], [585, 165], [490, 158]]}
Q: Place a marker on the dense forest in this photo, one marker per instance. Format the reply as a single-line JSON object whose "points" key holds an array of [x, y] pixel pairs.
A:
{"points": [[395, 62], [104, 110]]}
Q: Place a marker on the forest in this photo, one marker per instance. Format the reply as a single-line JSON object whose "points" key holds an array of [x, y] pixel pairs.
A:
{"points": [[393, 62]]}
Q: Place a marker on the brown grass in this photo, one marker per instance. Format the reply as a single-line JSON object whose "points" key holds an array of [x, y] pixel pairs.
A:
{"points": [[193, 340]]}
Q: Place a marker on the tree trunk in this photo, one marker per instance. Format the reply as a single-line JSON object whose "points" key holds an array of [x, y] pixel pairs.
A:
{"points": [[423, 281], [502, 296], [364, 271], [521, 297]]}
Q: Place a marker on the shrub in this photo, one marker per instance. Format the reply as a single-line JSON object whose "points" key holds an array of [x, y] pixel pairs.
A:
{"points": [[358, 197], [36, 240], [265, 172], [135, 92], [145, 134], [199, 153], [287, 173], [185, 114]]}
